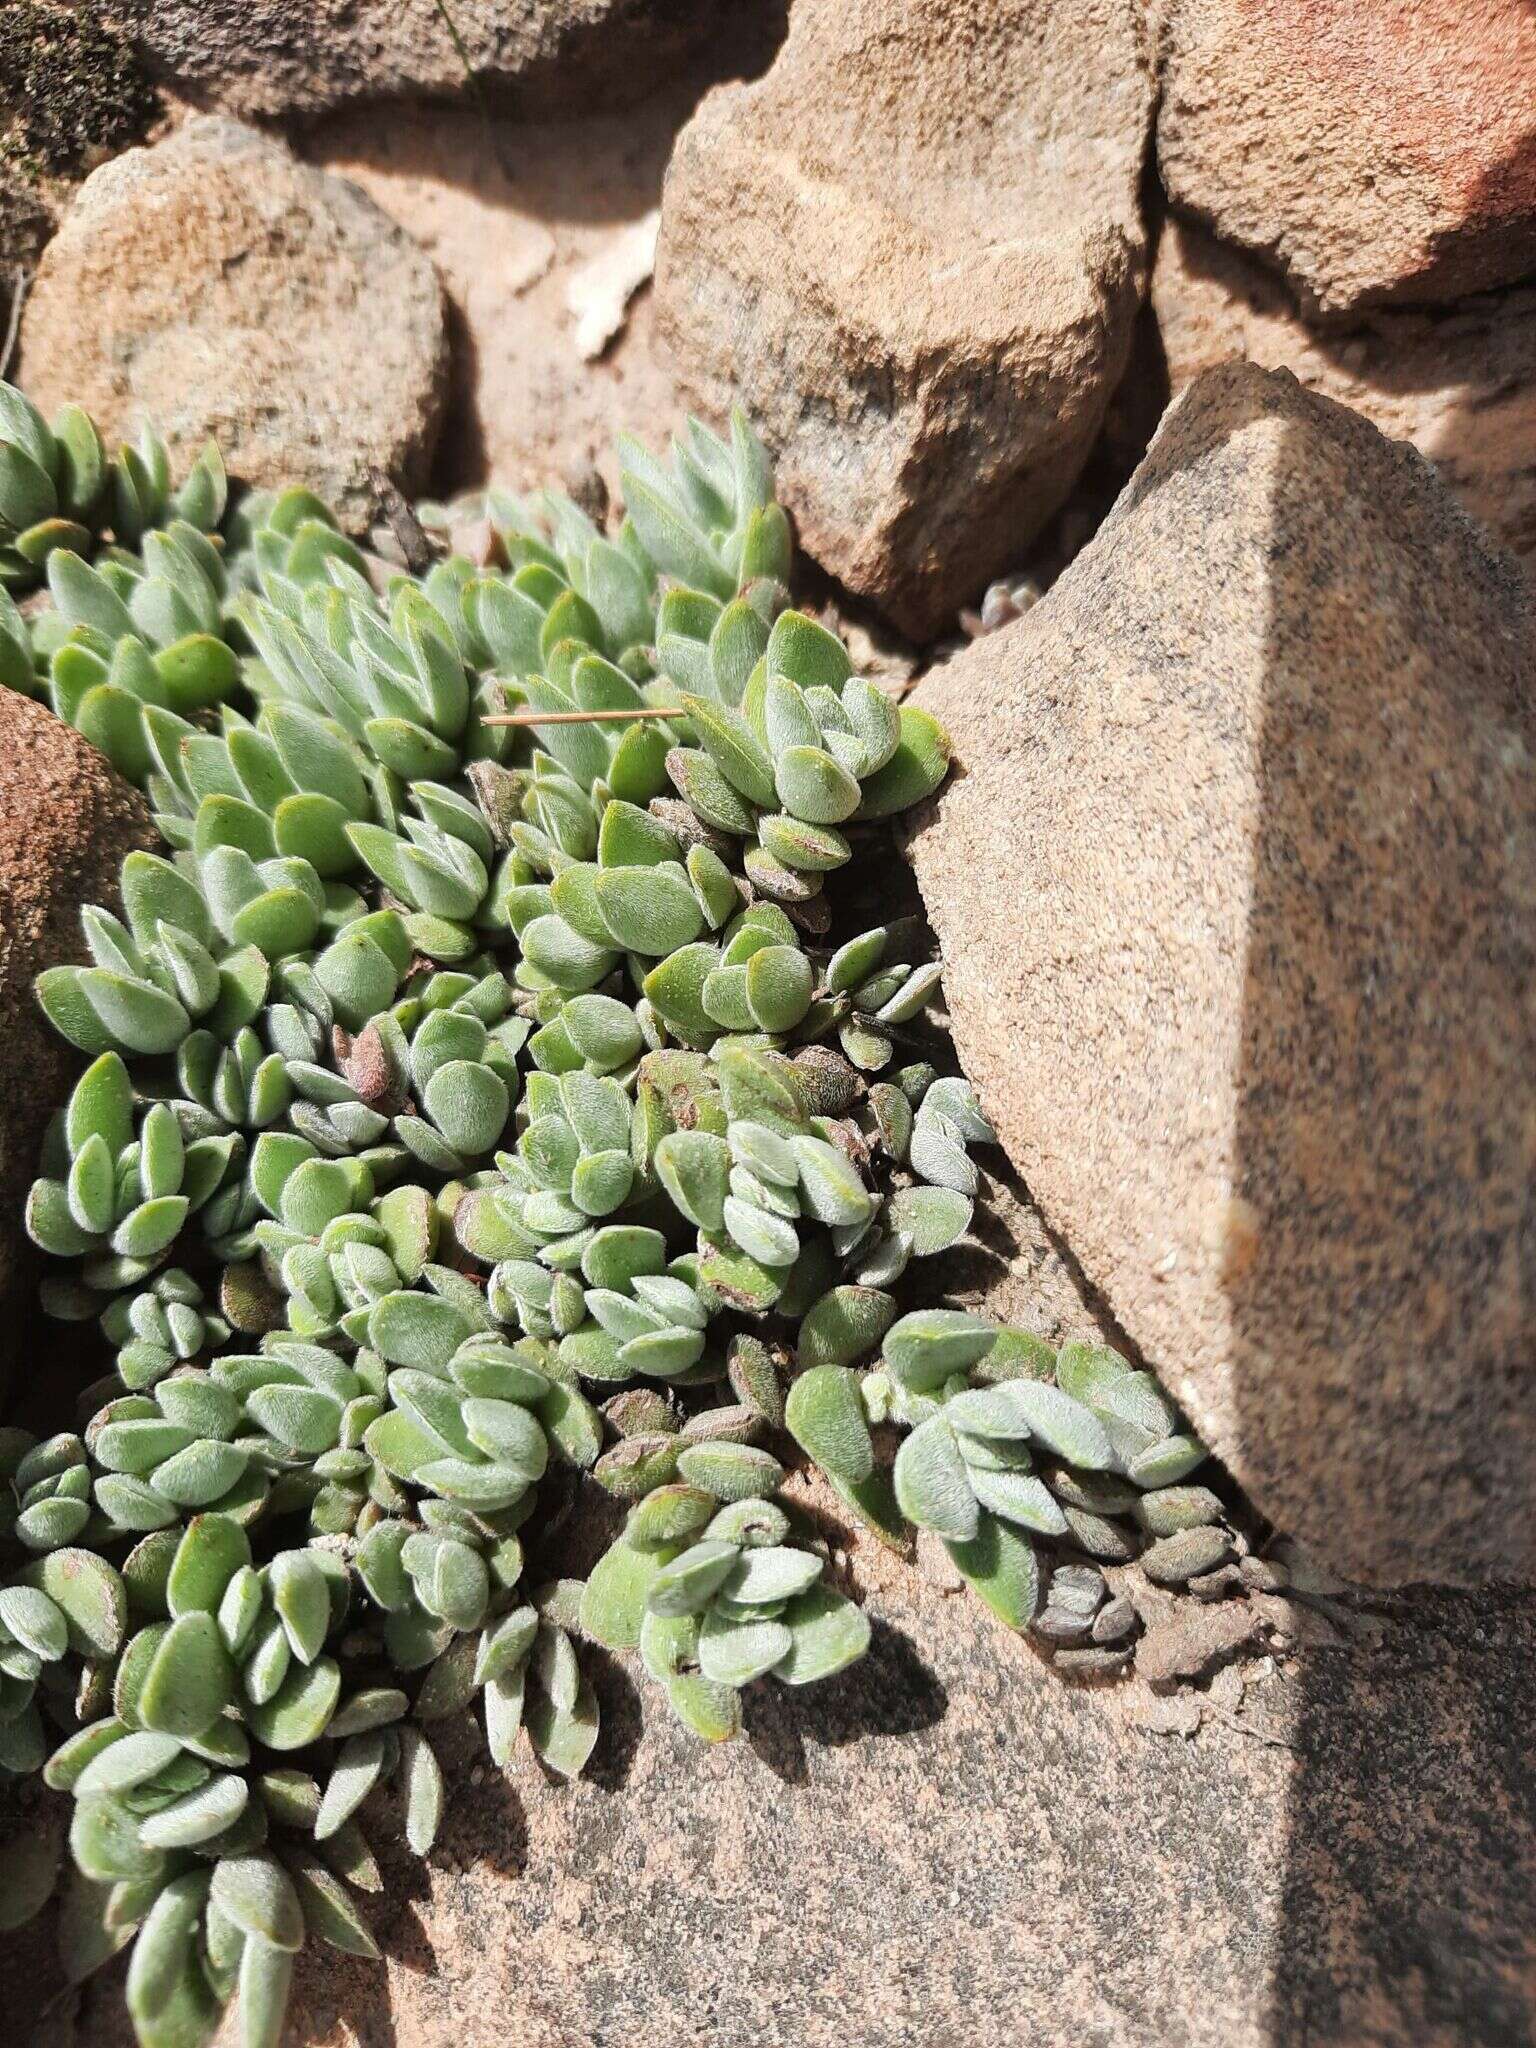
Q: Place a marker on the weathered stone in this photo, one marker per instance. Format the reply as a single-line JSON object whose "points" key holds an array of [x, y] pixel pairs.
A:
{"points": [[302, 56], [913, 249], [950, 1844], [233, 291], [1256, 1013], [1459, 382], [66, 821], [1377, 151]]}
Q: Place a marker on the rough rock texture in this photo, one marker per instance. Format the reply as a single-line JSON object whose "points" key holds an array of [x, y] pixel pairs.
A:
{"points": [[1459, 381], [71, 91], [914, 250], [237, 292], [1256, 1013], [66, 821], [509, 227], [951, 1846], [1378, 151], [302, 56]]}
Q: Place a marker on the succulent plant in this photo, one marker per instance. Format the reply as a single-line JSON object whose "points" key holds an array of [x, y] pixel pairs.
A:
{"points": [[197, 947], [59, 489], [480, 1102], [121, 1180], [707, 1584], [141, 631], [1008, 1440]]}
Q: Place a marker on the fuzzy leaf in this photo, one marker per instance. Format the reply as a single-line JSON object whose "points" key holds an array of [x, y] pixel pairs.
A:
{"points": [[825, 1415], [257, 1895], [932, 1487]]}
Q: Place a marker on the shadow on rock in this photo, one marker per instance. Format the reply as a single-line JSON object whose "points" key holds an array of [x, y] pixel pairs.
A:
{"points": [[623, 1722], [1389, 934], [890, 1692], [1411, 1859]]}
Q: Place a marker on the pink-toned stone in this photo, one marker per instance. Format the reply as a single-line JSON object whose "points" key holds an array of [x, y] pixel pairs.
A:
{"points": [[66, 821], [914, 250], [951, 1846], [234, 291], [277, 57], [1377, 151]]}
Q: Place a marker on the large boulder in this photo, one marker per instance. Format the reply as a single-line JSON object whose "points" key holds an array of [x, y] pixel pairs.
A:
{"points": [[236, 292], [1255, 1012], [1378, 151], [269, 57], [1457, 381], [914, 250], [66, 821], [950, 1845]]}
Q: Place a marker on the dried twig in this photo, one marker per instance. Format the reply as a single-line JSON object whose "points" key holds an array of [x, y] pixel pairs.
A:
{"points": [[19, 282], [582, 717], [476, 85]]}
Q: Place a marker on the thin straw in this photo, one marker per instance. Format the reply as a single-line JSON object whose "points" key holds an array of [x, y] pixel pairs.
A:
{"points": [[581, 717]]}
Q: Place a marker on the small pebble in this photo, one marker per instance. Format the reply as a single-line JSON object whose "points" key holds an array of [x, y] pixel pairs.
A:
{"points": [[997, 608], [1178, 1715], [1226, 1688], [477, 540], [1175, 1560], [587, 490], [384, 546], [1115, 1621]]}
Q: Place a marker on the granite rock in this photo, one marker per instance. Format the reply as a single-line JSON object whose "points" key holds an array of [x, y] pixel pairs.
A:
{"points": [[1377, 151], [236, 292], [951, 1845], [275, 57], [71, 91], [1256, 1016], [914, 250]]}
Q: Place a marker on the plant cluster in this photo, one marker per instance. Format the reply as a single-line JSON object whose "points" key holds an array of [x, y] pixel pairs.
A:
{"points": [[464, 1101]]}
